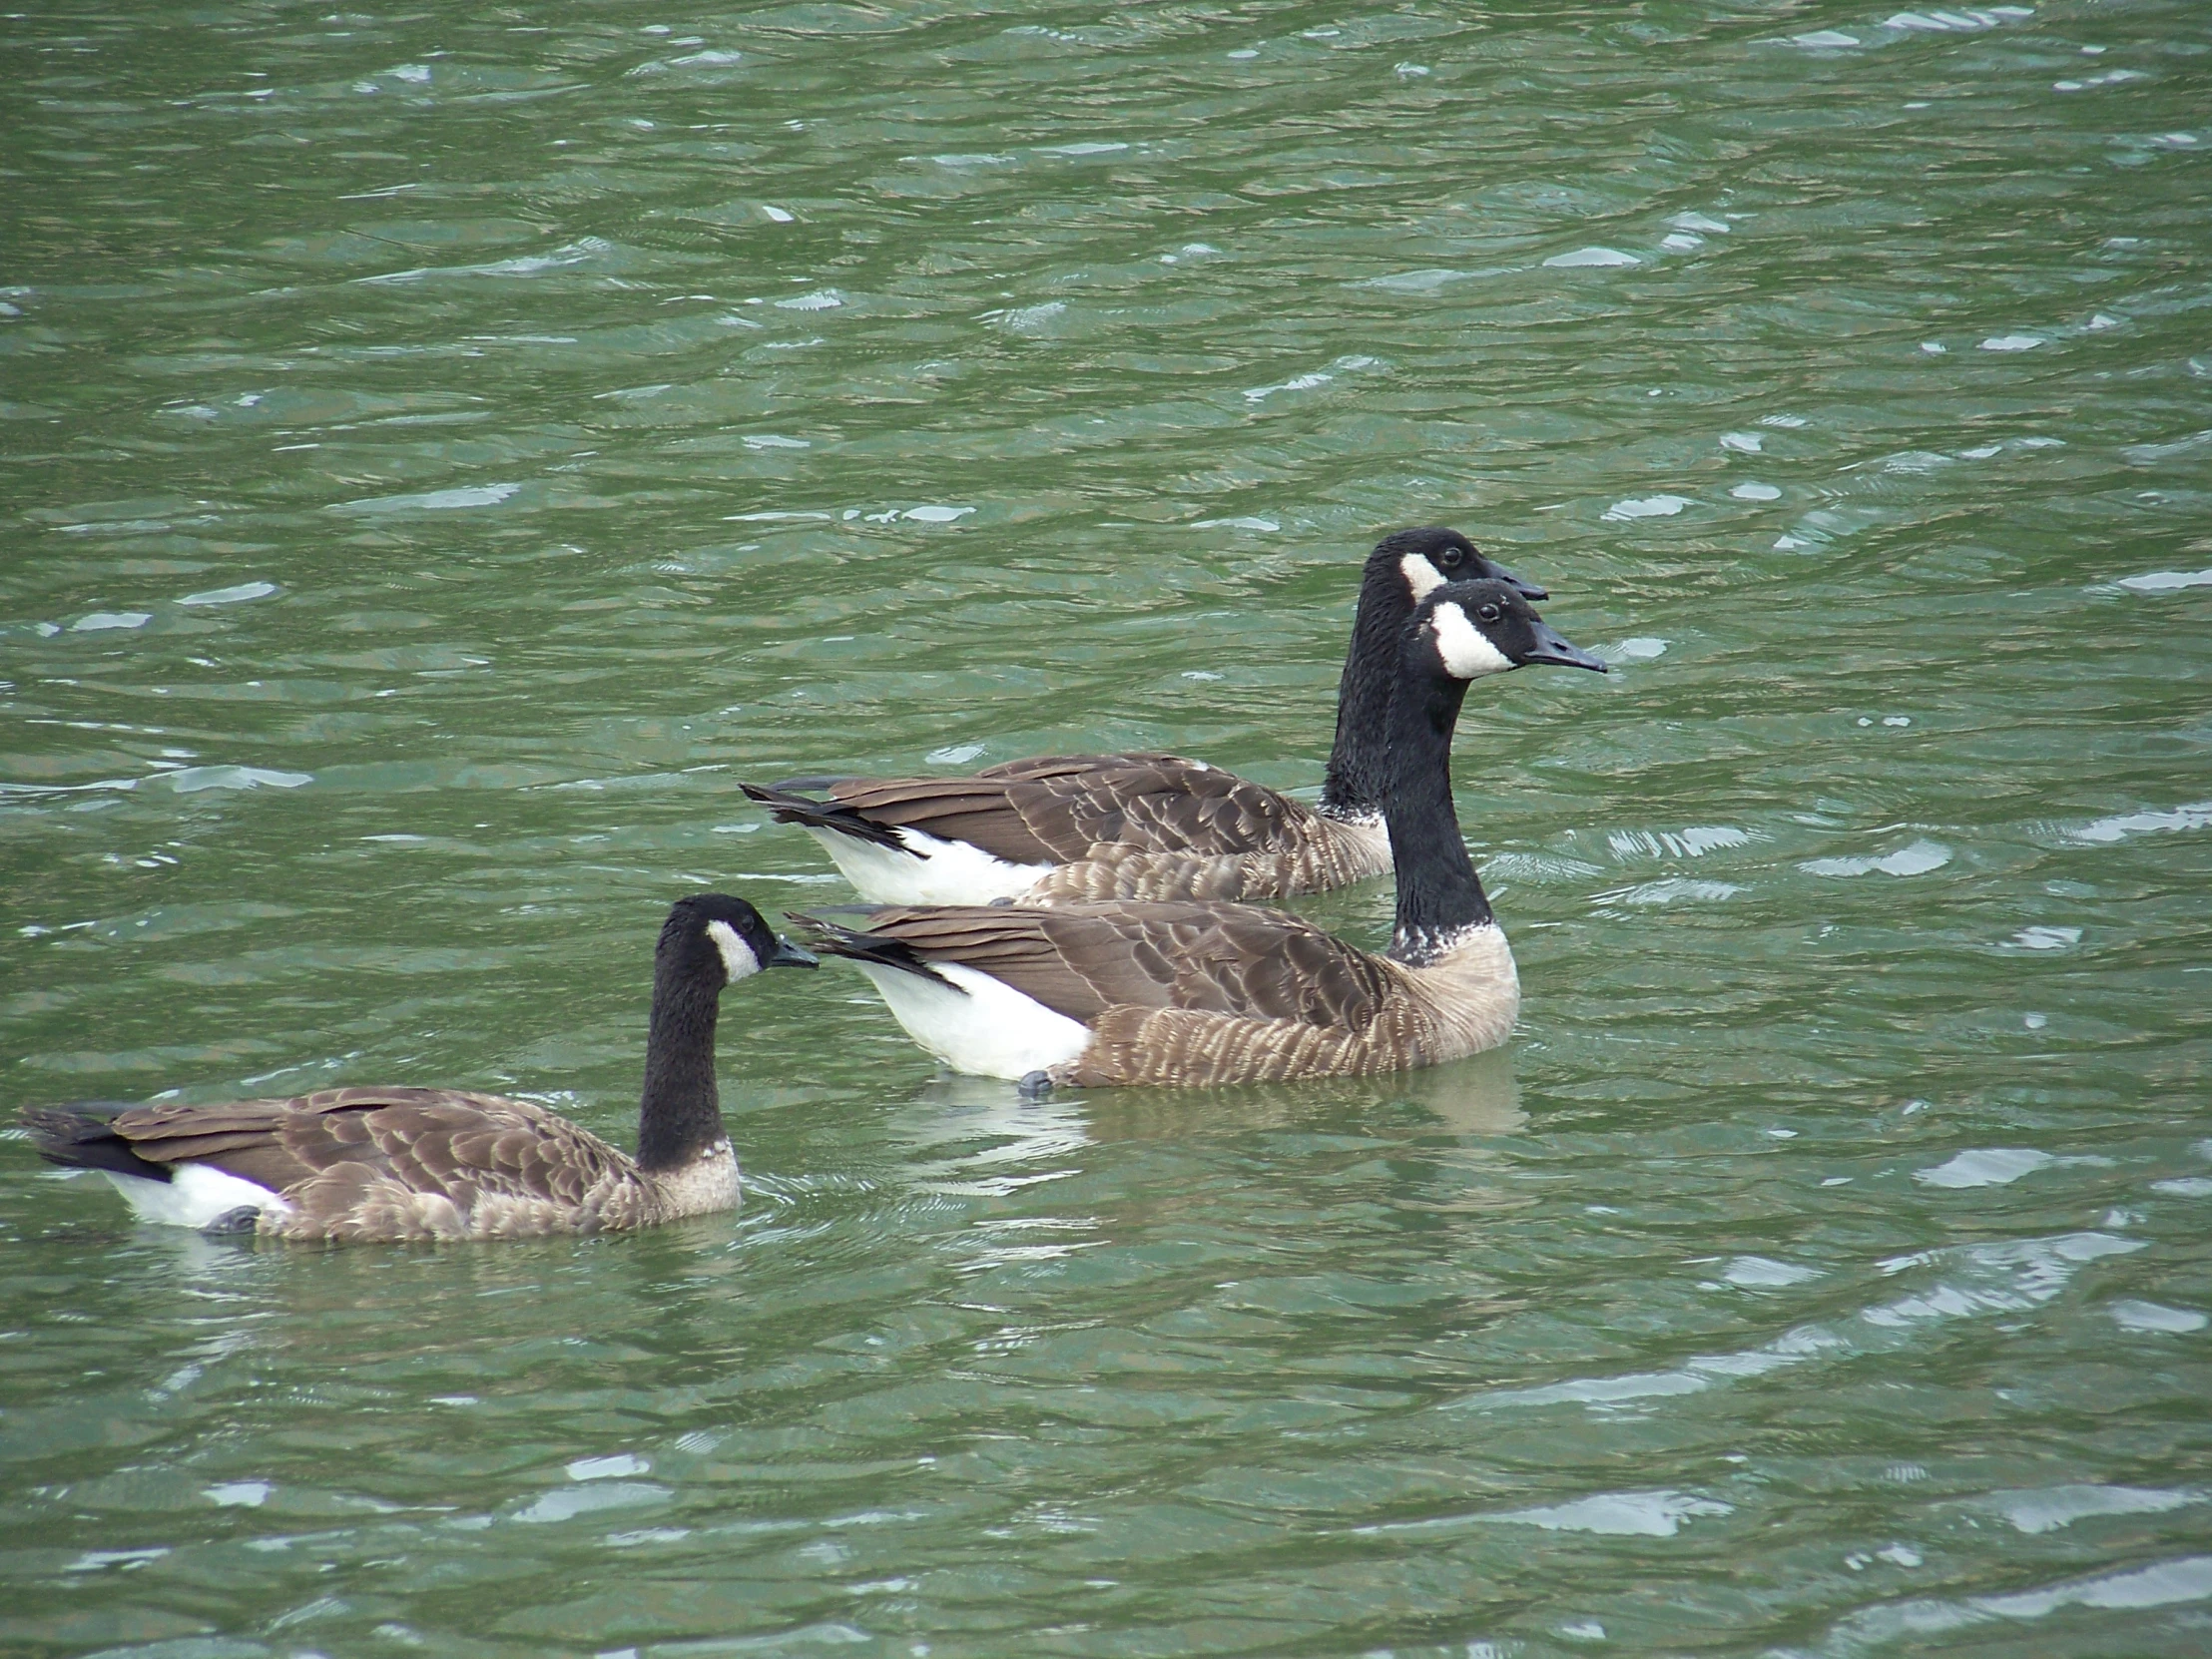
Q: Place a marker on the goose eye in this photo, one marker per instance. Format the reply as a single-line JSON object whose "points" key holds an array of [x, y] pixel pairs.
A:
{"points": [[1452, 556], [1488, 613]]}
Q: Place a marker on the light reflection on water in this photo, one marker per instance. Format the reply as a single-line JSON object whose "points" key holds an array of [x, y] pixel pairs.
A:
{"points": [[449, 452]]}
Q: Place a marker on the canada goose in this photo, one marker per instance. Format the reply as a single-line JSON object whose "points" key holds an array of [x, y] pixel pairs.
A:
{"points": [[1141, 826], [384, 1165], [1206, 993]]}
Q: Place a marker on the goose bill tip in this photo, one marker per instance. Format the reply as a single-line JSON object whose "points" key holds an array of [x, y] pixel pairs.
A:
{"points": [[1550, 648]]}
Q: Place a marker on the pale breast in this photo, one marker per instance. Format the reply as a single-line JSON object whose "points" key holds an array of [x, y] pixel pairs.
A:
{"points": [[1470, 998], [708, 1184]]}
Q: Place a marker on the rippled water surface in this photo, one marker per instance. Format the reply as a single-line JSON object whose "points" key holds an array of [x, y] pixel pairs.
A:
{"points": [[447, 449]]}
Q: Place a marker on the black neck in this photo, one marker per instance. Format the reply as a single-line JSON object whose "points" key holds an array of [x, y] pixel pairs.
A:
{"points": [[1438, 895], [679, 1114], [1358, 777]]}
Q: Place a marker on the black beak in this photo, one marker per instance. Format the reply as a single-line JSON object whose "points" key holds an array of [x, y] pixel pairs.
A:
{"points": [[1550, 648], [788, 954], [1524, 587], [1519, 584]]}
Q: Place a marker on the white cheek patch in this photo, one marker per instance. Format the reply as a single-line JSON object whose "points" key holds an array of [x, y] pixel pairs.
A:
{"points": [[1466, 651], [737, 955], [1422, 576]]}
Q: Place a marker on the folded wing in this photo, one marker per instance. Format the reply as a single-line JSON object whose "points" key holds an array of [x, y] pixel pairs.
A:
{"points": [[323, 1147], [1081, 959], [1056, 809]]}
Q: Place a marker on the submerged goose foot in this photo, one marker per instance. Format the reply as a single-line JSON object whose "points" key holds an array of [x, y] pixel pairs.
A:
{"points": [[231, 1222], [1035, 1085]]}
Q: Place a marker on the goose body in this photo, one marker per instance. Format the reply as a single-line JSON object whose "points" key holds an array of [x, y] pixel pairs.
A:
{"points": [[1072, 828], [1200, 993], [399, 1164], [1177, 994]]}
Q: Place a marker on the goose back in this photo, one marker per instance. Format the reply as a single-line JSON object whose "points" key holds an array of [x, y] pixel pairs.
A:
{"points": [[1142, 826], [1185, 994], [1191, 994], [365, 1164]]}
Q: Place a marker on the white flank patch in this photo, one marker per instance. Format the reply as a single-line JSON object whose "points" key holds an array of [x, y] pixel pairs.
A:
{"points": [[736, 956], [1422, 576], [934, 872], [984, 1026], [195, 1196], [1466, 651]]}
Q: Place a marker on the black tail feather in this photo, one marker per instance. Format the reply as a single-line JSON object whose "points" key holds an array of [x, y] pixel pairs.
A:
{"points": [[825, 814], [81, 1136], [832, 940]]}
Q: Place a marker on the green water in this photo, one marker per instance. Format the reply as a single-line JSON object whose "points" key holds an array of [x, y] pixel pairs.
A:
{"points": [[447, 449]]}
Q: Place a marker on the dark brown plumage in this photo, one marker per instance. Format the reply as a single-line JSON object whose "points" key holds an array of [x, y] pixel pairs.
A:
{"points": [[391, 1163], [1090, 827], [1206, 993], [395, 1164], [1194, 993], [1057, 829]]}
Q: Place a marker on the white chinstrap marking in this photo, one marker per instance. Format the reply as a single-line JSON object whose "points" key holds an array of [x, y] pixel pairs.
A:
{"points": [[736, 956], [196, 1195], [1466, 651], [934, 872], [1421, 576], [990, 1031]]}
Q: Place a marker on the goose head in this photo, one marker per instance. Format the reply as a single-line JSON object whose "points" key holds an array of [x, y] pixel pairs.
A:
{"points": [[720, 939], [1428, 558], [1486, 627]]}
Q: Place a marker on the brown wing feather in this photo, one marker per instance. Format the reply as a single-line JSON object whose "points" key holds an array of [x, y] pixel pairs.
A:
{"points": [[1081, 959], [1178, 808], [977, 810], [1074, 766], [1057, 809], [334, 1144]]}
